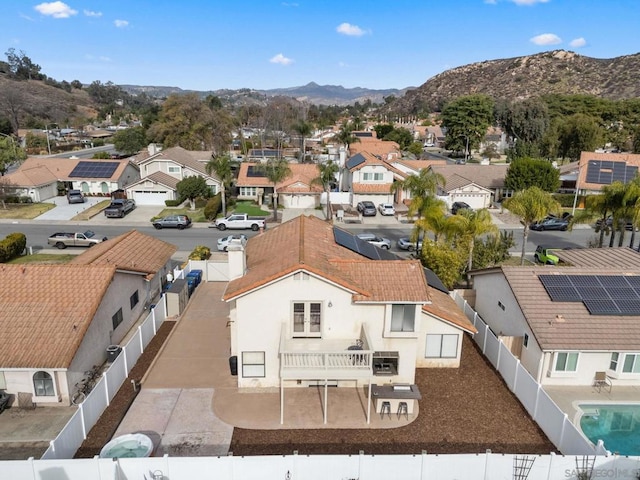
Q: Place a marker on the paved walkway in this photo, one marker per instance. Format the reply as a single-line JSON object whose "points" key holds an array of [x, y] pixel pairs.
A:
{"points": [[190, 401]]}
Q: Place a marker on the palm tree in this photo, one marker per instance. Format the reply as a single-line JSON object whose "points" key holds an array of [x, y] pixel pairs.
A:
{"points": [[600, 207], [632, 202], [221, 166], [276, 170], [423, 188], [435, 220], [327, 175], [304, 130], [531, 205], [345, 136], [471, 224]]}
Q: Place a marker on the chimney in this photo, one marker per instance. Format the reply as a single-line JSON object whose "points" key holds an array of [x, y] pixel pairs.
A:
{"points": [[237, 260]]}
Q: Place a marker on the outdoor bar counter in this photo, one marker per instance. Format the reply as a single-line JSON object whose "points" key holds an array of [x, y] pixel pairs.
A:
{"points": [[394, 394]]}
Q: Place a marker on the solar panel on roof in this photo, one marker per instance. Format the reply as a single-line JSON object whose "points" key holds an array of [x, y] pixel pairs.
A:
{"points": [[584, 281], [601, 307], [605, 172], [434, 281], [255, 171], [555, 280], [94, 169], [622, 293], [613, 281], [563, 294], [345, 239], [628, 307], [592, 292], [355, 161], [633, 280]]}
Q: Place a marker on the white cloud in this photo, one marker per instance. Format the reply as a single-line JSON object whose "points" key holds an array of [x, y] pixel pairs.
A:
{"points": [[351, 30], [55, 9], [577, 42], [343, 65], [281, 59], [90, 13], [546, 39], [121, 23], [528, 2]]}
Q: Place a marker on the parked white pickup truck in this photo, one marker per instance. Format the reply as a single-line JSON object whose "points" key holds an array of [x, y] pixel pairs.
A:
{"points": [[239, 221], [63, 239]]}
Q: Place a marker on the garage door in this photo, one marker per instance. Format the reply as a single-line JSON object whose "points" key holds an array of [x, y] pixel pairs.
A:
{"points": [[146, 197]]}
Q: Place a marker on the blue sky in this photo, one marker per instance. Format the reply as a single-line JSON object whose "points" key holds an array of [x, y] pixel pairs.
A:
{"points": [[263, 44]]}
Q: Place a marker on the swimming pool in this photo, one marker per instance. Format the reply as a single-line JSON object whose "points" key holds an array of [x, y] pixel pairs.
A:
{"points": [[617, 425]]}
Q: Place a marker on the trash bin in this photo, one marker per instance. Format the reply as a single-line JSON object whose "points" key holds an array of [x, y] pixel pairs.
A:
{"points": [[233, 364], [112, 352]]}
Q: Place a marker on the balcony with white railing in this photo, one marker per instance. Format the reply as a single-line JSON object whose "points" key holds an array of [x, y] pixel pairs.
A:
{"points": [[335, 359]]}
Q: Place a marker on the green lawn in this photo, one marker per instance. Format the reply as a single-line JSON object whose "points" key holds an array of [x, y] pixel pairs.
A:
{"points": [[250, 208], [44, 258], [196, 215]]}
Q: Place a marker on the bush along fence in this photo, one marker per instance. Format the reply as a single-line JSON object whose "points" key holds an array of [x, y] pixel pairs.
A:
{"points": [[553, 421], [65, 445]]}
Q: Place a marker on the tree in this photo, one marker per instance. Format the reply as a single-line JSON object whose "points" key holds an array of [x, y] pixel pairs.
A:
{"points": [[193, 187], [445, 261], [531, 205], [382, 129], [184, 120], [415, 148], [276, 170], [470, 225], [10, 153], [578, 133], [401, 136], [528, 172], [221, 166], [434, 220], [345, 135], [328, 171], [101, 155], [493, 250], [21, 66], [130, 140], [467, 120], [525, 120], [422, 188], [303, 129]]}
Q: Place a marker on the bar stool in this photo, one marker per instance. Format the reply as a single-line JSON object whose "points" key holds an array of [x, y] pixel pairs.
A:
{"points": [[403, 409], [386, 408]]}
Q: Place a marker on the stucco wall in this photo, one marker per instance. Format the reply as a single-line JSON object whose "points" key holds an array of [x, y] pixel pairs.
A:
{"points": [[432, 325]]}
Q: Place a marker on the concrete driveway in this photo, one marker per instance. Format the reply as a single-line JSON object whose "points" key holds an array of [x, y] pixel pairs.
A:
{"points": [[66, 211]]}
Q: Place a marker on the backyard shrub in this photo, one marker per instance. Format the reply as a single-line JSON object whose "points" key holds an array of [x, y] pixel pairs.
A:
{"points": [[213, 207], [201, 202], [201, 252], [12, 246], [172, 203]]}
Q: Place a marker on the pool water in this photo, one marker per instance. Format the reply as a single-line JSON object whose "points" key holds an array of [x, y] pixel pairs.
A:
{"points": [[617, 425]]}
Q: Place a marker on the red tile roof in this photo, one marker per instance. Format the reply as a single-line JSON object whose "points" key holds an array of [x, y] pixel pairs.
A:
{"points": [[307, 243], [132, 251], [630, 159], [45, 311]]}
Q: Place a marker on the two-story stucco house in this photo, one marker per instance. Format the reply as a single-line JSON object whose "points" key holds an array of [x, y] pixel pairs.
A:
{"points": [[369, 178], [58, 320], [307, 309], [569, 322], [160, 172]]}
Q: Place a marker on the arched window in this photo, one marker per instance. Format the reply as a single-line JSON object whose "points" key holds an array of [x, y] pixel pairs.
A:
{"points": [[43, 384], [84, 186], [104, 187]]}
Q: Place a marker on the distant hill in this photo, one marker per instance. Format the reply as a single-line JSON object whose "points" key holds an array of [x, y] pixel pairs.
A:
{"points": [[558, 71], [311, 93]]}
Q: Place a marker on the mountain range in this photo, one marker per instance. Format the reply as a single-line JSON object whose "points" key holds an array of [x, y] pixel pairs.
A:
{"points": [[311, 93]]}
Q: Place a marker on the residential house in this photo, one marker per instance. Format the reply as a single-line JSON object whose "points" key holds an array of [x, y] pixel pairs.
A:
{"points": [[599, 169], [161, 170], [403, 168], [496, 138], [307, 309], [299, 190], [368, 143], [567, 323], [477, 185], [38, 178], [369, 178], [58, 320]]}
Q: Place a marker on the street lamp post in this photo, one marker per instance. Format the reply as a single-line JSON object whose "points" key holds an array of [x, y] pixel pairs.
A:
{"points": [[575, 197]]}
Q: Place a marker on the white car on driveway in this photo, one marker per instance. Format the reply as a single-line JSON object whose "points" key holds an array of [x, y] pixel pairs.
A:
{"points": [[223, 243], [386, 209]]}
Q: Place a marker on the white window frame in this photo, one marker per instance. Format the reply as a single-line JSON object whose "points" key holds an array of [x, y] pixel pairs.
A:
{"points": [[254, 365], [408, 321], [173, 169], [614, 362], [378, 176], [441, 345], [635, 363], [308, 314], [558, 356], [51, 378]]}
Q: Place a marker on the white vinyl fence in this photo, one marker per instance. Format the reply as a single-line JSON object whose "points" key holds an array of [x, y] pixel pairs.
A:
{"points": [[553, 421], [486, 466], [75, 431]]}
